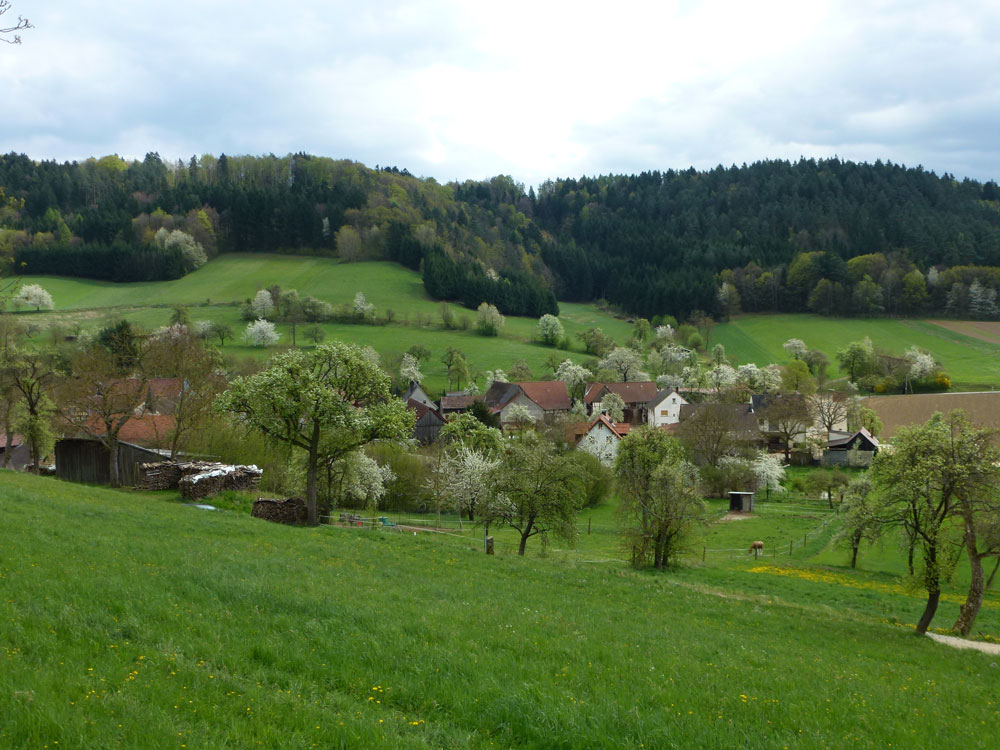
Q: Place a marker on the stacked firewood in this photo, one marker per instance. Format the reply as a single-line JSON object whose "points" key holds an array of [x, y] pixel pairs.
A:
{"points": [[291, 511], [161, 475], [214, 478]]}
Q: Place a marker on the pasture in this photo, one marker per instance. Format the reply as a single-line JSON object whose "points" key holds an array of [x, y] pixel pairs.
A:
{"points": [[215, 291], [133, 620], [973, 363]]}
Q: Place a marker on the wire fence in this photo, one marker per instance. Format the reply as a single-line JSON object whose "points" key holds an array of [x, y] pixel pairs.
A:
{"points": [[470, 534]]}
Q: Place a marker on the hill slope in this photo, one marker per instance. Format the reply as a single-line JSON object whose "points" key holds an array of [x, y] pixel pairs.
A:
{"points": [[131, 621]]}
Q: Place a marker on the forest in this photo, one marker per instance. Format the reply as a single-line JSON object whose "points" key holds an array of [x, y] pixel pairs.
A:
{"points": [[830, 236]]}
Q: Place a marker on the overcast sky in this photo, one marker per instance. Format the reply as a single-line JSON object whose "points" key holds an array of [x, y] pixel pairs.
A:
{"points": [[537, 90]]}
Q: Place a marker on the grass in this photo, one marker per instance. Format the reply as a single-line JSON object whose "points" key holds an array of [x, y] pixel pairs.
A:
{"points": [[131, 620], [214, 292], [972, 363]]}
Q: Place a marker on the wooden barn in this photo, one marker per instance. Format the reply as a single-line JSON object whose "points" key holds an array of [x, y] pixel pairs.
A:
{"points": [[86, 460]]}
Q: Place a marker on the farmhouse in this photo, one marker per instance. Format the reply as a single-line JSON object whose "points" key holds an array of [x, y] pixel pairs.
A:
{"points": [[599, 438], [414, 392], [428, 421], [636, 396], [543, 399], [665, 408]]}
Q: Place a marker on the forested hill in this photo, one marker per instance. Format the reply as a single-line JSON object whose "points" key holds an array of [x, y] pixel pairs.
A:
{"points": [[781, 235]]}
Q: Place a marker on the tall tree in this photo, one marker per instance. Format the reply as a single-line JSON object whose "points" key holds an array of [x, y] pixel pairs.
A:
{"points": [[923, 483], [542, 488], [660, 502], [327, 402]]}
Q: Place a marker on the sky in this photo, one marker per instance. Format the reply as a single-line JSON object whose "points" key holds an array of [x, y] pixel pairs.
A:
{"points": [[533, 89]]}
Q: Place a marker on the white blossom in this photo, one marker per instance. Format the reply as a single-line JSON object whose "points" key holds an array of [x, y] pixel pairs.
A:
{"points": [[260, 333]]}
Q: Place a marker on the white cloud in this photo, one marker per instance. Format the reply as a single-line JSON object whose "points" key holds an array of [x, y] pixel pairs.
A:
{"points": [[535, 89]]}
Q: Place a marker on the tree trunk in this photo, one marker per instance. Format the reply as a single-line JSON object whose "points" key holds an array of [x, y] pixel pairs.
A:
{"points": [[929, 610], [909, 559], [787, 454], [311, 471], [932, 583], [974, 599], [113, 473], [524, 537], [854, 554]]}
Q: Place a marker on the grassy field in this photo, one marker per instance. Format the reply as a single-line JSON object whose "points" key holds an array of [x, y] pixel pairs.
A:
{"points": [[131, 620], [214, 291], [971, 362]]}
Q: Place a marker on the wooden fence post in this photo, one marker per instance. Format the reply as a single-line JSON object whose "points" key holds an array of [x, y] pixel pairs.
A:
{"points": [[588, 525], [790, 543], [703, 551]]}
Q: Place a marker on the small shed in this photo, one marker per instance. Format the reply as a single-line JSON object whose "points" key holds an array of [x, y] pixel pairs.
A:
{"points": [[86, 460], [741, 502]]}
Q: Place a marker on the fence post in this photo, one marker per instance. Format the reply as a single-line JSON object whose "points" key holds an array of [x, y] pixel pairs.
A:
{"points": [[588, 525], [703, 550], [790, 543]]}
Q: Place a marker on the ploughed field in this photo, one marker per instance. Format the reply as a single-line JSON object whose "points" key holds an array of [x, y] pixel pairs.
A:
{"points": [[131, 620]]}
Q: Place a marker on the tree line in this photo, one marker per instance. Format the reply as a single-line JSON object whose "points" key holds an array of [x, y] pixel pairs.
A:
{"points": [[830, 236]]}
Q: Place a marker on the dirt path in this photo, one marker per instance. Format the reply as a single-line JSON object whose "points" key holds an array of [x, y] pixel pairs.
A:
{"points": [[950, 640]]}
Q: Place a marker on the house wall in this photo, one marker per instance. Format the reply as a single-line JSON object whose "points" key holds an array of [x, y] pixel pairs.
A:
{"points": [[536, 411], [600, 442], [87, 461], [668, 411], [841, 458]]}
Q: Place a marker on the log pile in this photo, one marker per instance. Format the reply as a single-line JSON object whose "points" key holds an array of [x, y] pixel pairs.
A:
{"points": [[211, 479], [291, 511], [160, 475], [197, 479]]}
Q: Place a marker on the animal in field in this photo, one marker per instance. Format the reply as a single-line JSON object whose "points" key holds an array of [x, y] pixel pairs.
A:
{"points": [[756, 548]]}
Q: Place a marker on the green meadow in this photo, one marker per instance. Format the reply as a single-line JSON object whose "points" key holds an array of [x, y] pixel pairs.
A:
{"points": [[132, 620], [215, 291], [971, 363]]}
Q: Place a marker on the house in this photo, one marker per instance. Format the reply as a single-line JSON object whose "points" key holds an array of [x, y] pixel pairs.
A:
{"points": [[665, 408], [145, 430], [543, 399], [851, 448], [20, 453], [635, 394], [428, 421], [457, 402], [599, 438], [780, 416], [414, 392]]}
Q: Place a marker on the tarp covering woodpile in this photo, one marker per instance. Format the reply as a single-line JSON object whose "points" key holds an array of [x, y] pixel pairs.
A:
{"points": [[291, 511], [214, 478]]}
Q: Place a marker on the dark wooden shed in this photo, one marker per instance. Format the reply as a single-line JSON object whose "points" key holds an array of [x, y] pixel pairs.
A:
{"points": [[86, 460], [741, 502]]}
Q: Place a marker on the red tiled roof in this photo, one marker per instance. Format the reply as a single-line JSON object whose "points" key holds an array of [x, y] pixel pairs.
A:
{"points": [[16, 440], [633, 392], [149, 430], [551, 395]]}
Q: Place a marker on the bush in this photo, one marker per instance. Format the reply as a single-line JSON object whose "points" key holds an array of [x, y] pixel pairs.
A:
{"points": [[595, 476]]}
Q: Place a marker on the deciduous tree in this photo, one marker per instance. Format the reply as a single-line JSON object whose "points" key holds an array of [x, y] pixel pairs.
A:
{"points": [[327, 402]]}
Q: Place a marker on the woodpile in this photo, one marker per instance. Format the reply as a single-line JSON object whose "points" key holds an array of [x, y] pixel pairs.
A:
{"points": [[291, 511], [161, 475], [200, 480]]}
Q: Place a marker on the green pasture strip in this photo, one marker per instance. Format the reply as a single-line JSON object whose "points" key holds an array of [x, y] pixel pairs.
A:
{"points": [[758, 338], [133, 622]]}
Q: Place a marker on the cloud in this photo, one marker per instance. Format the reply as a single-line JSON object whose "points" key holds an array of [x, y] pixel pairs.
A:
{"points": [[537, 89]]}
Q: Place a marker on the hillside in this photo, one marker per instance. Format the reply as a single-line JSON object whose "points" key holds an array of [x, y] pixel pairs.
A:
{"points": [[972, 363], [786, 236], [214, 292], [131, 619]]}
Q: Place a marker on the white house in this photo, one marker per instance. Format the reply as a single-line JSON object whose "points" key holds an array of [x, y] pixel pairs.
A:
{"points": [[665, 408], [601, 439]]}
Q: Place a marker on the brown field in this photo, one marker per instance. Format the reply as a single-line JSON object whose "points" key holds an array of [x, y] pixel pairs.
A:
{"points": [[984, 330], [983, 408]]}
